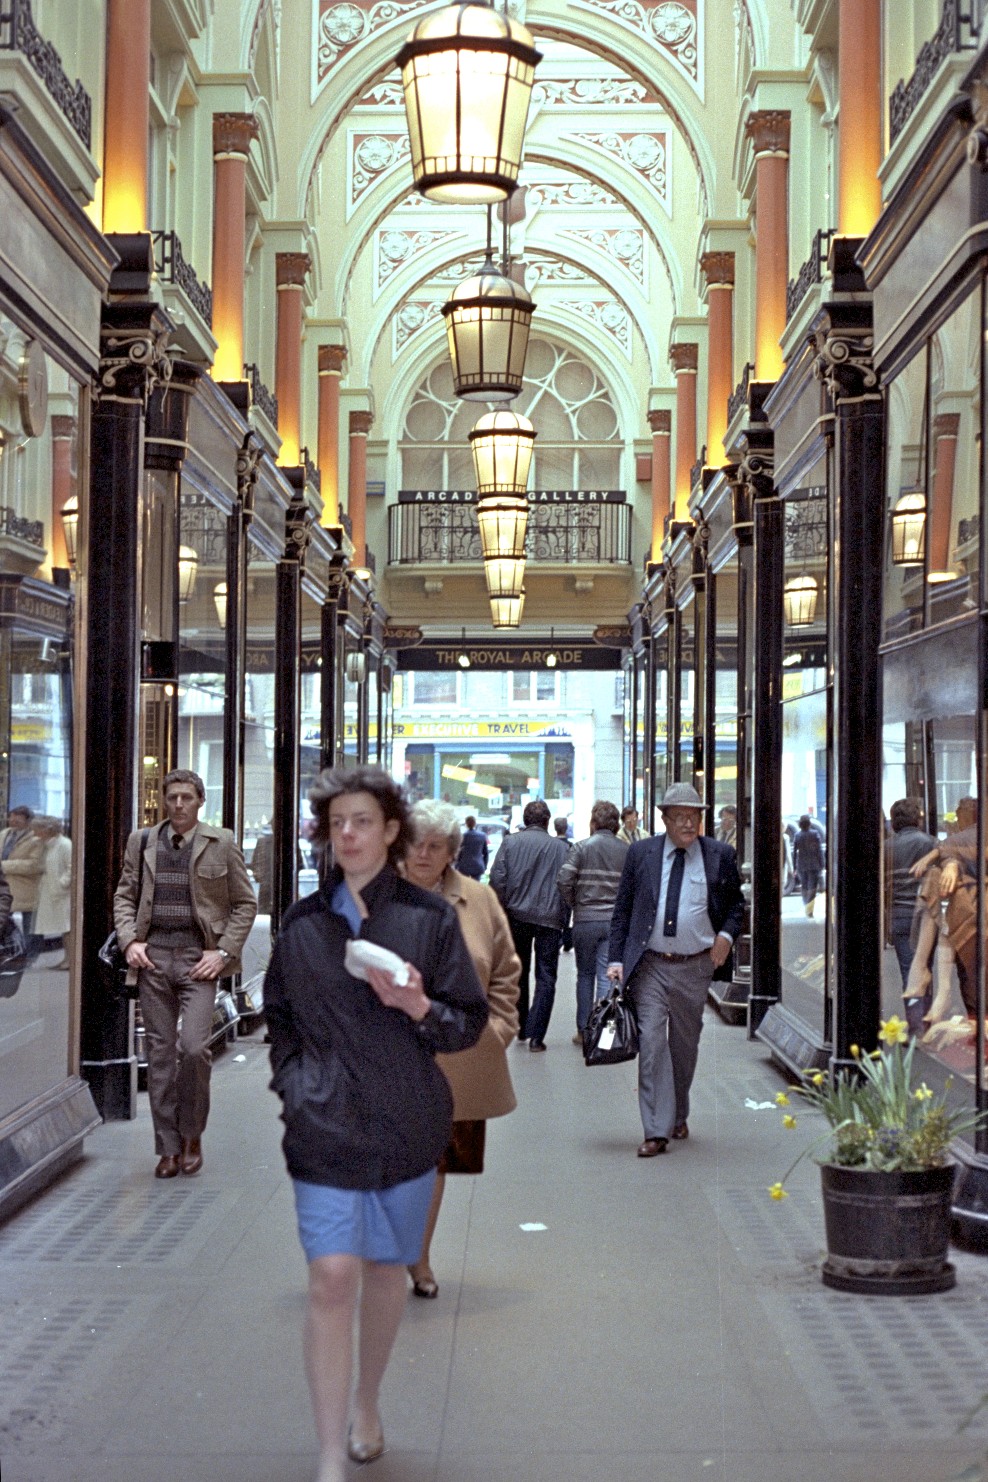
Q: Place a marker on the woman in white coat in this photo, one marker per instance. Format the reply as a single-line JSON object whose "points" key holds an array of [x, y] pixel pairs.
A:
{"points": [[53, 915]]}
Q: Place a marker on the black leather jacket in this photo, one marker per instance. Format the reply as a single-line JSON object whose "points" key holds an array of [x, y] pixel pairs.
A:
{"points": [[524, 874], [364, 1104]]}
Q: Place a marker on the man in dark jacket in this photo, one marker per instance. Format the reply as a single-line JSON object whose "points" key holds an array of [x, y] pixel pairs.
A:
{"points": [[523, 878], [474, 850], [588, 883], [679, 910]]}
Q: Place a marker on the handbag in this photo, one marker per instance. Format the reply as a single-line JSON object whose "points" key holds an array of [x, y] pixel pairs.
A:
{"points": [[112, 955], [611, 1035], [13, 958]]}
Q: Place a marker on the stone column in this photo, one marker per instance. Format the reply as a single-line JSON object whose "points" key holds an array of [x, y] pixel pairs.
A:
{"points": [[126, 124], [287, 700], [661, 424], [331, 361], [946, 426], [718, 269], [684, 359], [360, 426], [769, 132], [232, 135], [290, 271], [859, 138], [64, 431], [239, 521]]}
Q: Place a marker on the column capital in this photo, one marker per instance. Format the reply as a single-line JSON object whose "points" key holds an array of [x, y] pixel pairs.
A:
{"points": [[134, 360], [768, 130], [660, 421], [946, 424], [63, 429], [684, 357], [248, 457], [718, 269], [291, 269], [361, 423], [233, 132], [844, 341], [332, 359]]}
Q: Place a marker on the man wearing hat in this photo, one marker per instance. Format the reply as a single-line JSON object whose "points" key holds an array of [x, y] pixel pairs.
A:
{"points": [[678, 912]]}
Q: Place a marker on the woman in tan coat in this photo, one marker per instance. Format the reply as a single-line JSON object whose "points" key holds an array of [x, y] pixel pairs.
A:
{"points": [[479, 1077]]}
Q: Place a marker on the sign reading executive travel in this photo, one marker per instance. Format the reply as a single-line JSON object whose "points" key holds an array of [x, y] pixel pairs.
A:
{"points": [[535, 496]]}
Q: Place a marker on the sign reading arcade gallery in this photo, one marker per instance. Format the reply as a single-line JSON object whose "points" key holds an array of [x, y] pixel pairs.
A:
{"points": [[535, 496]]}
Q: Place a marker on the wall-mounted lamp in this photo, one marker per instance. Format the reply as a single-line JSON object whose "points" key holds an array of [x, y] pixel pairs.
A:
{"points": [[799, 599], [70, 528], [355, 667], [908, 522], [188, 565], [463, 658], [551, 658], [220, 593]]}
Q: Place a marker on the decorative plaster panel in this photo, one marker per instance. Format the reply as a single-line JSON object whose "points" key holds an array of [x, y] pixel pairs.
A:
{"points": [[565, 194], [543, 269], [370, 157], [590, 92], [393, 249], [674, 26], [606, 314], [414, 316], [340, 25], [626, 244], [647, 154]]}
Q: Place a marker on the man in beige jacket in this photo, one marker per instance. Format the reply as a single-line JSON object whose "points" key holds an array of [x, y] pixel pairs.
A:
{"points": [[182, 910]]}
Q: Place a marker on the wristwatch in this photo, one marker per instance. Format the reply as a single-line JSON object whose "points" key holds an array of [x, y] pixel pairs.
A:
{"points": [[223, 953]]}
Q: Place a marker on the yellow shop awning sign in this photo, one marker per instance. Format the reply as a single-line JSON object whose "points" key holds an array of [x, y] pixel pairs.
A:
{"points": [[503, 730]]}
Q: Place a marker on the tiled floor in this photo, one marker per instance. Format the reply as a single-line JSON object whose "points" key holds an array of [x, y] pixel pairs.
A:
{"points": [[668, 1323]]}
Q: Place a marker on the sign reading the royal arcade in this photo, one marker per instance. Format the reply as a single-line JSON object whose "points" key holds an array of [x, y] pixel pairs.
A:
{"points": [[575, 655], [535, 496]]}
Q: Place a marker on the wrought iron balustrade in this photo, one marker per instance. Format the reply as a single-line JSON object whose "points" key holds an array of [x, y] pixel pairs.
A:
{"points": [[811, 272], [18, 32], [573, 534], [260, 396], [347, 524], [14, 525], [171, 264], [739, 396], [958, 31]]}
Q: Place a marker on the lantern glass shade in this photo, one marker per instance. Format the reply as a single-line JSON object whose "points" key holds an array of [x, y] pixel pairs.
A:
{"points": [[506, 611], [220, 593], [502, 444], [799, 599], [505, 576], [70, 528], [467, 74], [909, 528], [188, 565], [503, 525], [488, 318]]}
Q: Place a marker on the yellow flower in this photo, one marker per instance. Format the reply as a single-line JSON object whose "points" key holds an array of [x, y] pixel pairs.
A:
{"points": [[894, 1031], [923, 1092], [788, 1120], [776, 1191], [855, 1052], [818, 1079], [781, 1099]]}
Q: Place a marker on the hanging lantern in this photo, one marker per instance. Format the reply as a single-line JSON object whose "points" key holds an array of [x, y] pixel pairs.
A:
{"points": [[506, 611], [220, 594], [70, 529], [799, 599], [909, 528], [487, 322], [502, 444], [505, 575], [467, 73], [503, 525], [188, 565]]}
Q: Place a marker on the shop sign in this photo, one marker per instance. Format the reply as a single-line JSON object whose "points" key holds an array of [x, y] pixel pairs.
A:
{"points": [[535, 496], [503, 730], [509, 656]]}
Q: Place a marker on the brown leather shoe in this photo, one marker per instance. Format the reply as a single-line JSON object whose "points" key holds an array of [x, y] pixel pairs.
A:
{"points": [[653, 1146], [191, 1160], [680, 1132], [167, 1166]]}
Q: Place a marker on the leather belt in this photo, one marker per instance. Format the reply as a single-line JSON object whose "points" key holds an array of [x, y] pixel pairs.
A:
{"points": [[680, 956]]}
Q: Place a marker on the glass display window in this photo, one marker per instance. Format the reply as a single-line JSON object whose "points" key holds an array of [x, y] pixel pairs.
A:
{"points": [[686, 667], [202, 618], [805, 787], [724, 600], [258, 721]]}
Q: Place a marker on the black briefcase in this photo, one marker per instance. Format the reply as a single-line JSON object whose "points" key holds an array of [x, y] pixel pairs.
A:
{"points": [[611, 1035]]}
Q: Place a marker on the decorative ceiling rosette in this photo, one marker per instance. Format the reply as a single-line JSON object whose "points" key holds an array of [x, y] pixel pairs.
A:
{"points": [[372, 156], [340, 25], [674, 26], [648, 154], [626, 245]]}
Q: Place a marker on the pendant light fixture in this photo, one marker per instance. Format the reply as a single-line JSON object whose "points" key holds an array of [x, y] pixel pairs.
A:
{"points": [[908, 521], [503, 525], [220, 598], [799, 600], [70, 529], [505, 575], [488, 317], [506, 611], [188, 565], [502, 444], [467, 74]]}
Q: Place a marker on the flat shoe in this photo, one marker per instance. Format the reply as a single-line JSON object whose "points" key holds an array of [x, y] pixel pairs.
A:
{"points": [[536, 1048], [680, 1132], [191, 1159], [364, 1451], [167, 1166], [652, 1147], [578, 1038]]}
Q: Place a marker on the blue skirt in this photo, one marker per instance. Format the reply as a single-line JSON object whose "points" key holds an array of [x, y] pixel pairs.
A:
{"points": [[384, 1225]]}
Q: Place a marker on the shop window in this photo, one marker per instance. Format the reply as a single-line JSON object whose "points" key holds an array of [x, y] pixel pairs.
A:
{"points": [[202, 644], [258, 777], [534, 686], [434, 689], [805, 788], [725, 719]]}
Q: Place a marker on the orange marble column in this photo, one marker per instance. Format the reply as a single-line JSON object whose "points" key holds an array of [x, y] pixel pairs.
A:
{"points": [[63, 484], [946, 426], [684, 359], [331, 361], [290, 271], [661, 425], [769, 132], [232, 135], [360, 426], [125, 140], [859, 136], [718, 269]]}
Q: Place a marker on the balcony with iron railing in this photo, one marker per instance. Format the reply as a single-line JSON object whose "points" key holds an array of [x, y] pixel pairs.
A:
{"points": [[56, 113], [957, 33], [172, 267], [566, 534]]}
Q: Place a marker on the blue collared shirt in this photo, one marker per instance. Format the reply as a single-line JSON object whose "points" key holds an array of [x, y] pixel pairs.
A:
{"points": [[694, 930]]}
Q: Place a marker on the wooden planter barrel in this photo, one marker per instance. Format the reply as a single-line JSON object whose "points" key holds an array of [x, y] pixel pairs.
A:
{"points": [[887, 1233]]}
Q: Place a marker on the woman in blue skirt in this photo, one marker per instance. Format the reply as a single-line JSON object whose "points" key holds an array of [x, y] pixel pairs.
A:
{"points": [[367, 1112]]}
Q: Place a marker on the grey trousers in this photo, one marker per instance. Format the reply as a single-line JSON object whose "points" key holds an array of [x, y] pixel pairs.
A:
{"points": [[178, 1061], [669, 998]]}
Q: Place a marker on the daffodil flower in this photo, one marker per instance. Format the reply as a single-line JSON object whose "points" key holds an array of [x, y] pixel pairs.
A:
{"points": [[776, 1191], [893, 1031], [788, 1120], [818, 1078], [923, 1092], [781, 1099], [855, 1052]]}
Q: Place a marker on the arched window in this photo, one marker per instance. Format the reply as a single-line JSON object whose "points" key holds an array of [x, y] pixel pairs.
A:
{"points": [[577, 445]]}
